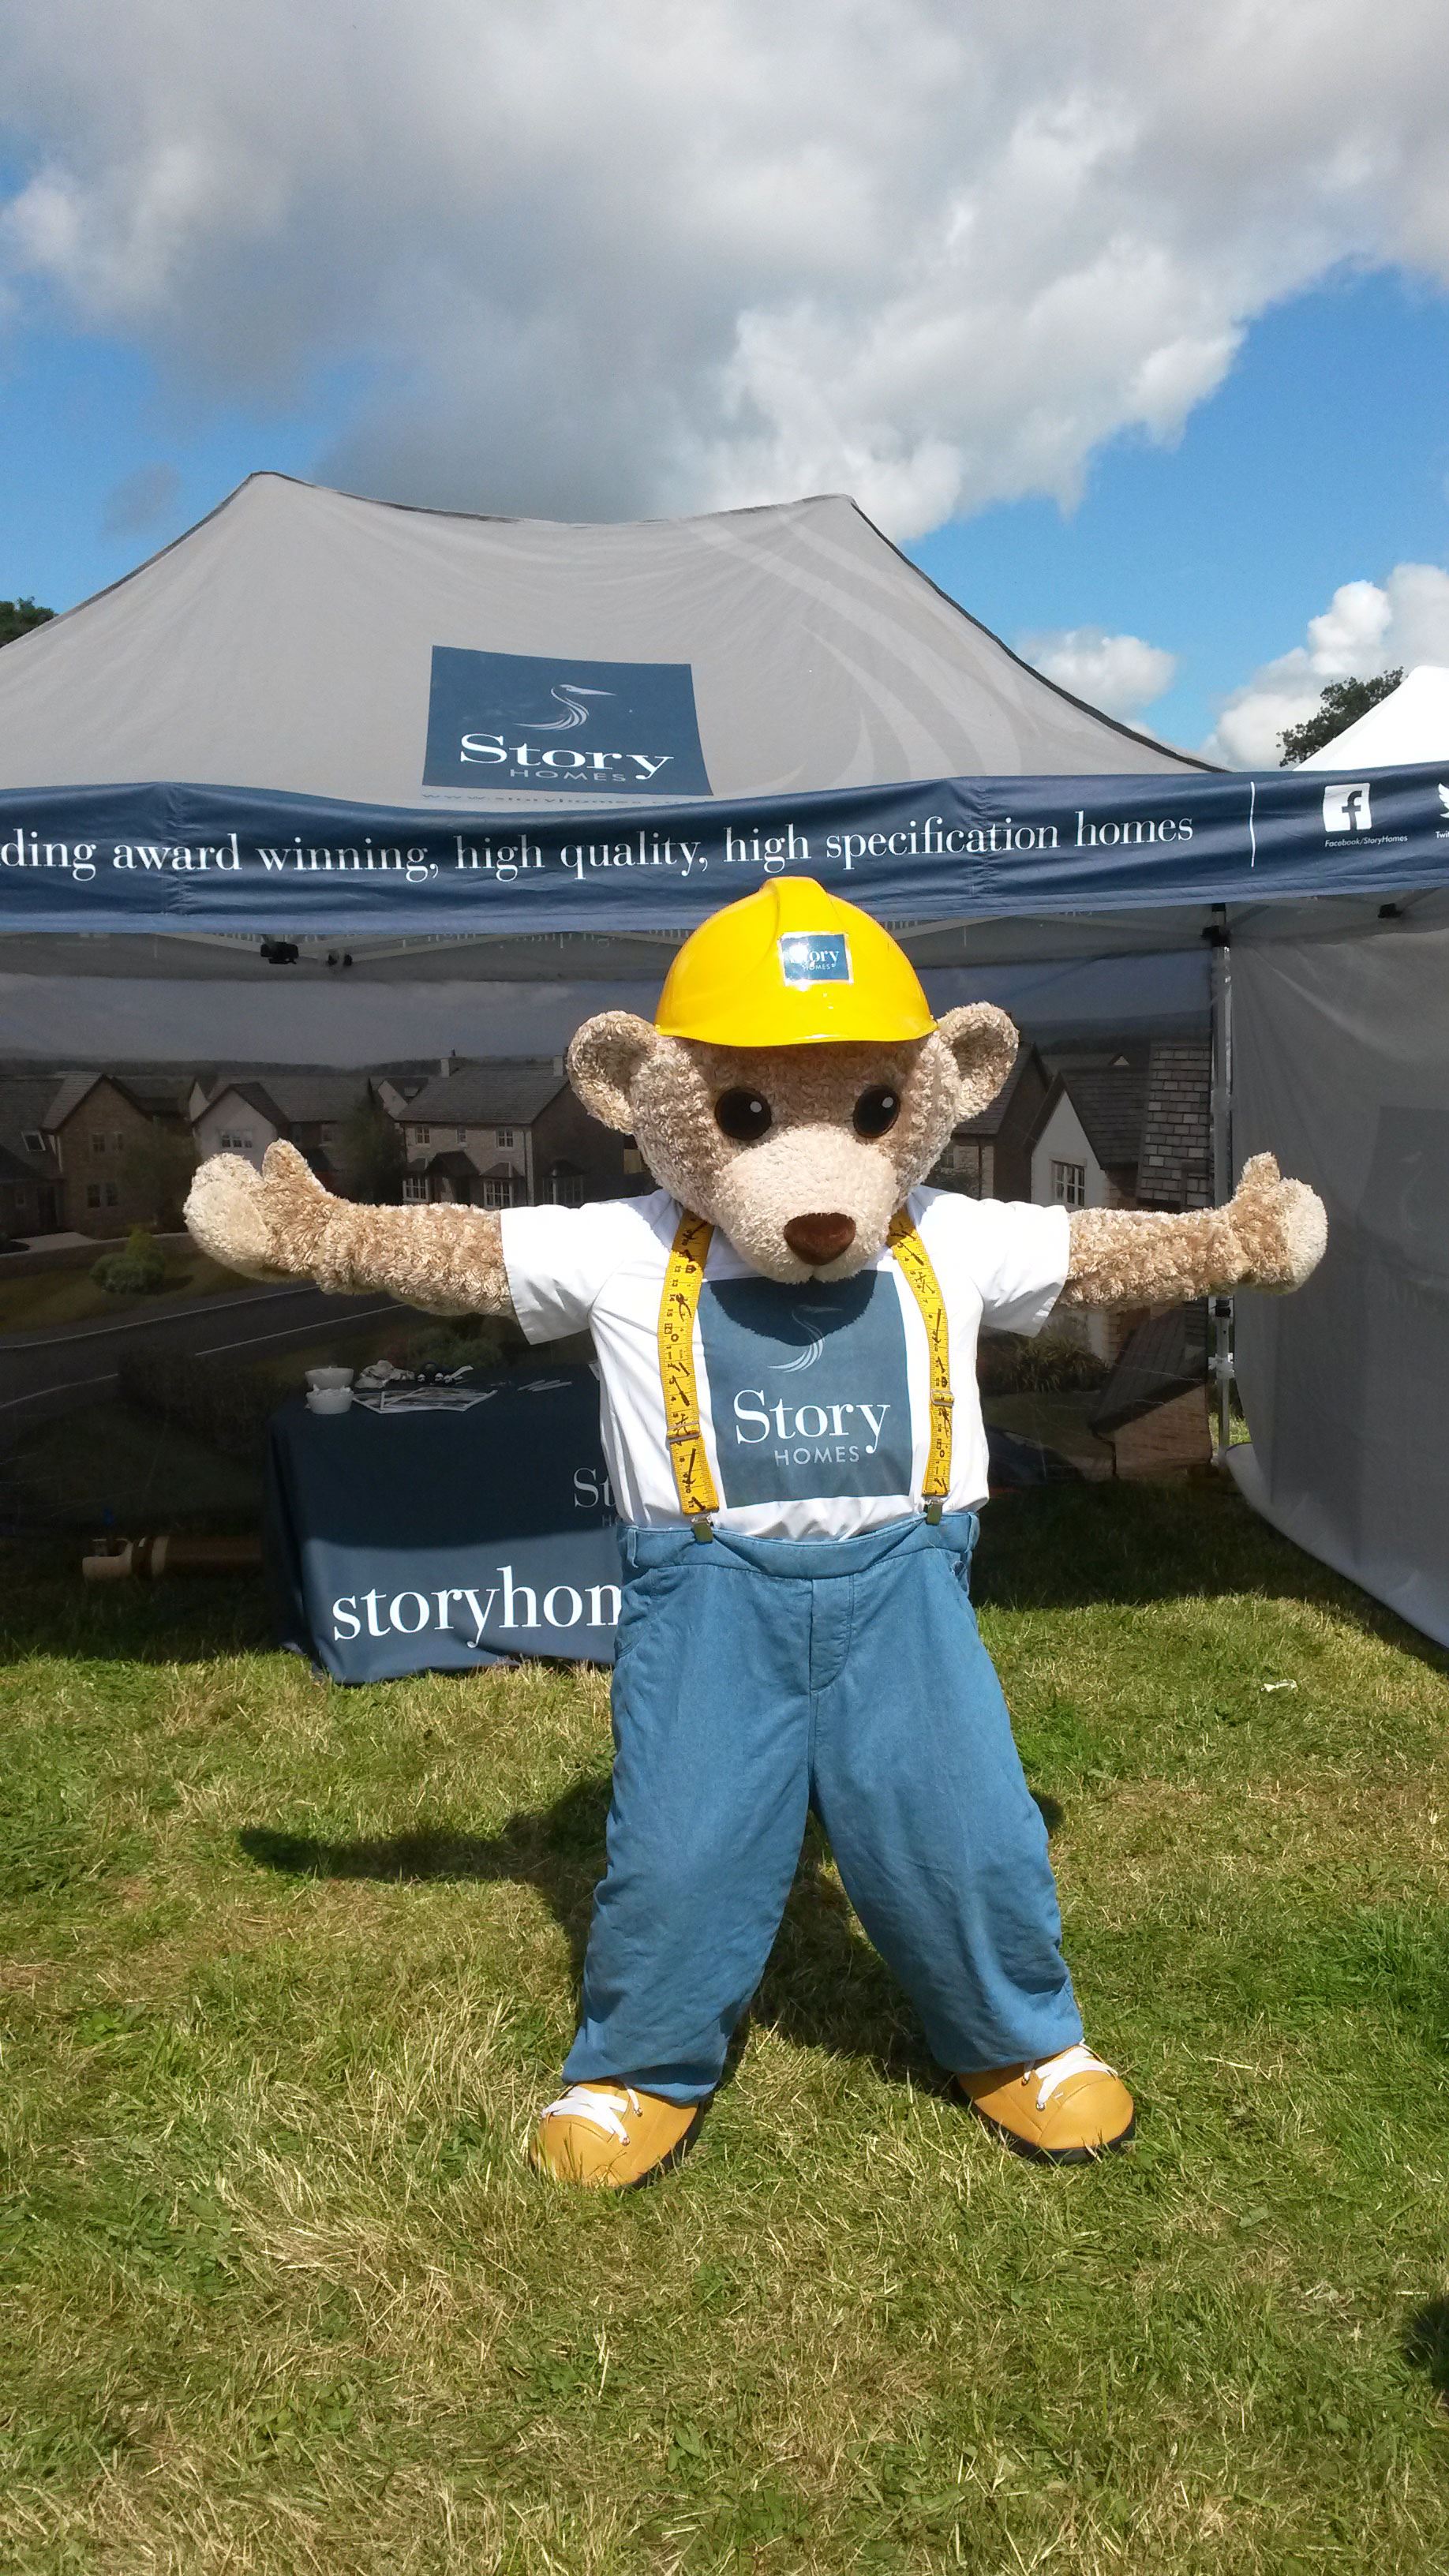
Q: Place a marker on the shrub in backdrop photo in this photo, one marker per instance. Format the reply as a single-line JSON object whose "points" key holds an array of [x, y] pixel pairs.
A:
{"points": [[226, 1406], [373, 1157], [139, 1271], [160, 1164], [1008, 1364], [465, 1341]]}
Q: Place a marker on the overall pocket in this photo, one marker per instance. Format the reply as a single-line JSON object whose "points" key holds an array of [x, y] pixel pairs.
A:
{"points": [[961, 1557]]}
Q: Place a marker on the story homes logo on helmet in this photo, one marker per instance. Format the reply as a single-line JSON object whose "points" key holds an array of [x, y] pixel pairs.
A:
{"points": [[522, 723], [815, 957]]}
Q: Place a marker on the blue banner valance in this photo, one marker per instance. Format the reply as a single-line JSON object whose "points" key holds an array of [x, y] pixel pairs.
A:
{"points": [[210, 858]]}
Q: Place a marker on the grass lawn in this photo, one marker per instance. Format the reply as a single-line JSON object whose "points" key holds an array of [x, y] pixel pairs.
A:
{"points": [[50, 1299], [287, 1969]]}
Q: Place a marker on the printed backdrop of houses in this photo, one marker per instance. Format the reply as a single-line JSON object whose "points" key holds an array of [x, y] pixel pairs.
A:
{"points": [[94, 1153], [97, 1152], [1126, 1125]]}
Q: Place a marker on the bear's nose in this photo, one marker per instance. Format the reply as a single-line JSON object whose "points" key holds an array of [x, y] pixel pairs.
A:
{"points": [[819, 1239]]}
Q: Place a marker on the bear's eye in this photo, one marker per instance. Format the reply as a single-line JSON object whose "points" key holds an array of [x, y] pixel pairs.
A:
{"points": [[876, 1110], [743, 1116]]}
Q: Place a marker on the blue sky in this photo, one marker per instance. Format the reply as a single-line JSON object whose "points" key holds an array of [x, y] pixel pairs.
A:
{"points": [[81, 420], [1324, 458]]}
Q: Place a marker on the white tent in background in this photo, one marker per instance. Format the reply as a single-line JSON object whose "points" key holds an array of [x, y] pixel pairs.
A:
{"points": [[1411, 724]]}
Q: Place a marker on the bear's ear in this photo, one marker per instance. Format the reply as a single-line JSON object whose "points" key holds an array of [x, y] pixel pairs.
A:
{"points": [[604, 1062], [983, 1042]]}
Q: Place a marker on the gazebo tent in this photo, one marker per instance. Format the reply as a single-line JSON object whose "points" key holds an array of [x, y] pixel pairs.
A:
{"points": [[330, 780]]}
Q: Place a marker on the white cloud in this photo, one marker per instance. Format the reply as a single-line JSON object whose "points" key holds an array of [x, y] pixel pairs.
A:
{"points": [[1118, 673], [1367, 628], [591, 260]]}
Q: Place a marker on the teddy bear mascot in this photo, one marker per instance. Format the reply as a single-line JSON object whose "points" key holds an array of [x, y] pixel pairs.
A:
{"points": [[786, 1336]]}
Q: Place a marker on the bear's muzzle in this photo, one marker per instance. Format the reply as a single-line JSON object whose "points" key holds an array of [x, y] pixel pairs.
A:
{"points": [[820, 1239]]}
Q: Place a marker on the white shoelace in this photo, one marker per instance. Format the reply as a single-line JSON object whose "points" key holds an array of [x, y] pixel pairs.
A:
{"points": [[1055, 2070], [581, 2102]]}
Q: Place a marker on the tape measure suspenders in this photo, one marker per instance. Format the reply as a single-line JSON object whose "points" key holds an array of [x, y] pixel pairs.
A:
{"points": [[682, 1283], [678, 1306], [915, 1265]]}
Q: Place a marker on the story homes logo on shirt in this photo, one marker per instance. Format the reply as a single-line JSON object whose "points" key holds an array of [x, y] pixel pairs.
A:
{"points": [[522, 721], [808, 1390]]}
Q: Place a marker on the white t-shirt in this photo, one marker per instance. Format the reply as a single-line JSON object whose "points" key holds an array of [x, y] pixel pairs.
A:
{"points": [[814, 1399]]}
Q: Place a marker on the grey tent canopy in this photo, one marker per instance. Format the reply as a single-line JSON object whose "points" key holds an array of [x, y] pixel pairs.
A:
{"points": [[287, 645]]}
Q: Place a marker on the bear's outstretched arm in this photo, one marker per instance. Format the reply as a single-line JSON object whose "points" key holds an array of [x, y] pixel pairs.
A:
{"points": [[280, 1223], [1270, 1235]]}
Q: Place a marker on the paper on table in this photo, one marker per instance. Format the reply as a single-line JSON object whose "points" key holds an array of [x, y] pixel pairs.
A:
{"points": [[426, 1399]]}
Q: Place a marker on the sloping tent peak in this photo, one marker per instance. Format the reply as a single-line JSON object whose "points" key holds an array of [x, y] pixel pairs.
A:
{"points": [[290, 644]]}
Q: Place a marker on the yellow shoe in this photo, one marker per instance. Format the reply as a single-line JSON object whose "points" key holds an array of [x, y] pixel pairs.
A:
{"points": [[608, 2136], [1067, 2110]]}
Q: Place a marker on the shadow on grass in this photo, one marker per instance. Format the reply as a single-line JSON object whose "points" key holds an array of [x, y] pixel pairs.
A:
{"points": [[824, 1986], [51, 1611], [1073, 1548], [1063, 1548], [1426, 2347]]}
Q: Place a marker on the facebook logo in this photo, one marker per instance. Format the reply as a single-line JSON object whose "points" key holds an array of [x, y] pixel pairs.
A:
{"points": [[1346, 809]]}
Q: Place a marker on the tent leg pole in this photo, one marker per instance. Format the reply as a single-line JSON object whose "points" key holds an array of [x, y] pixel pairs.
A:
{"points": [[1222, 1151]]}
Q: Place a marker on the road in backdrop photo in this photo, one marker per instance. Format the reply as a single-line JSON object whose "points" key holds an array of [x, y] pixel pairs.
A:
{"points": [[48, 1374]]}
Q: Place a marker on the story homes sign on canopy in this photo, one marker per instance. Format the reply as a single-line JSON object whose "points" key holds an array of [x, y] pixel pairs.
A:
{"points": [[495, 719]]}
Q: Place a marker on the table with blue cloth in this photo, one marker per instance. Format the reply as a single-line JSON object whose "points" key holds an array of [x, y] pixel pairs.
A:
{"points": [[433, 1540]]}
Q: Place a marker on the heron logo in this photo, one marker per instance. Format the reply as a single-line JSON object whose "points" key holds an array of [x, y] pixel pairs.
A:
{"points": [[518, 722], [808, 1396], [1347, 809], [570, 696], [807, 1317]]}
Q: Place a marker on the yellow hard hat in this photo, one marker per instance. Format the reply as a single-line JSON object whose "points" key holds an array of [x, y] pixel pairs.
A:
{"points": [[792, 966]]}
